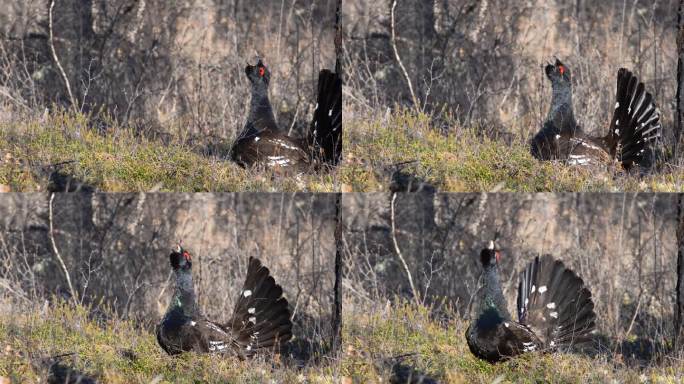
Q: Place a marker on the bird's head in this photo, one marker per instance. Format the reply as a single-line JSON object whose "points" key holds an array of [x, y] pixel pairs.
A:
{"points": [[490, 256], [180, 259], [258, 74], [558, 73]]}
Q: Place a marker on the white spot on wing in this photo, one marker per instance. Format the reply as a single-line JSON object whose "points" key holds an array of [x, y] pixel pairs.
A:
{"points": [[216, 345], [577, 160], [215, 328], [534, 287], [617, 104], [506, 325], [247, 293], [528, 347], [554, 315], [284, 144], [257, 138], [551, 305], [192, 323], [251, 310], [542, 289], [252, 319], [330, 112]]}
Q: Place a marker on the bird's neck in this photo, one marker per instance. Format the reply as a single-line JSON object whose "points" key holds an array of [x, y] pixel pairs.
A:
{"points": [[184, 294], [260, 106], [561, 114], [493, 299]]}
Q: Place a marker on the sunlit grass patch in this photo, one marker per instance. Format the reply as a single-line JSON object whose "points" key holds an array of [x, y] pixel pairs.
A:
{"points": [[463, 159]]}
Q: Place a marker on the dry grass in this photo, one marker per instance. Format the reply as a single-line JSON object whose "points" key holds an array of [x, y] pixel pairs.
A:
{"points": [[112, 350], [466, 159], [438, 349], [120, 159]]}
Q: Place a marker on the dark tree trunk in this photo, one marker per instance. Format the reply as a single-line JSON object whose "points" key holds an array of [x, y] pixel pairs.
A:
{"points": [[679, 310], [338, 38], [679, 114], [337, 289]]}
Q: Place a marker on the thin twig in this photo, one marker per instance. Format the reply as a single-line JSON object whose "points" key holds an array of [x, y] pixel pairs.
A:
{"points": [[58, 255], [74, 104], [416, 104], [416, 295]]}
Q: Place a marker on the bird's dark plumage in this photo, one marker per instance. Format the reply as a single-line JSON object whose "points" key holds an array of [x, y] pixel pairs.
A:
{"points": [[325, 134], [555, 311], [634, 129], [260, 321], [263, 144]]}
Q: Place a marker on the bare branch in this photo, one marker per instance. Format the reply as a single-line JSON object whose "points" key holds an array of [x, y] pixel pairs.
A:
{"points": [[416, 295], [396, 55], [73, 101], [74, 296]]}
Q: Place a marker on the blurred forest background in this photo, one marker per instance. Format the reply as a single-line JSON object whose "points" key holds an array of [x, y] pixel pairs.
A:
{"points": [[115, 249], [482, 61], [624, 246], [151, 63]]}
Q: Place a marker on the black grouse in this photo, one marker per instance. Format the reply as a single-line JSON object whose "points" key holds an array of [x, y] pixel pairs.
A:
{"points": [[262, 143], [260, 321], [634, 129], [555, 311]]}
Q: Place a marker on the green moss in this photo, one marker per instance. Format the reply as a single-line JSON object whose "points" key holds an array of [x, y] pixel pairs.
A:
{"points": [[465, 160], [119, 159]]}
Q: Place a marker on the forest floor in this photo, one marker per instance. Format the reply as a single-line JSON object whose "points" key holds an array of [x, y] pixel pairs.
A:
{"points": [[381, 343], [120, 159], [404, 342], [466, 160], [38, 344]]}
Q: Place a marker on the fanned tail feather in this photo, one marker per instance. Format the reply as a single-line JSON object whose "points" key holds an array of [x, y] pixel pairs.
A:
{"points": [[635, 126], [325, 133], [555, 304], [261, 320]]}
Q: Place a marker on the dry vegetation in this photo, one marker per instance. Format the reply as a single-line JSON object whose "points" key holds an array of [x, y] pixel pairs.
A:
{"points": [[61, 343], [154, 85], [88, 277], [405, 343], [479, 92], [413, 281]]}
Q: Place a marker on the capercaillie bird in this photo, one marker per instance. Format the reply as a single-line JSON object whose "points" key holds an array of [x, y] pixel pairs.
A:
{"points": [[260, 320], [555, 311], [634, 130], [263, 143]]}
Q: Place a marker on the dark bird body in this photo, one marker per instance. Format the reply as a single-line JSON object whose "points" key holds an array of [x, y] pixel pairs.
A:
{"points": [[260, 321], [633, 132], [555, 311], [263, 144]]}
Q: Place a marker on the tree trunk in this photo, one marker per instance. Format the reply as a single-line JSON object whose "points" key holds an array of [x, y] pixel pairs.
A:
{"points": [[337, 288], [338, 38], [679, 114], [679, 310]]}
